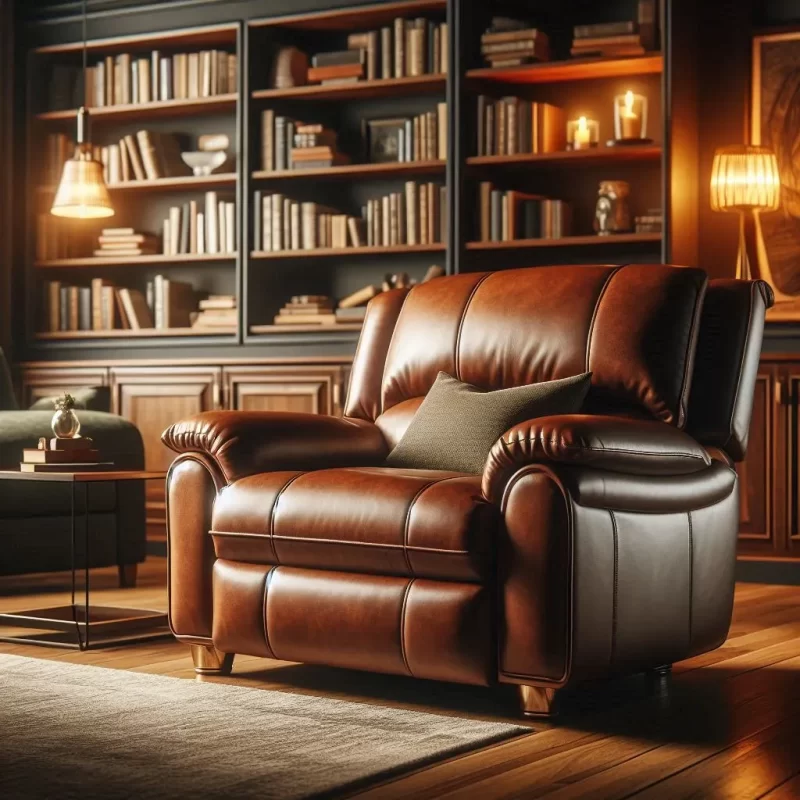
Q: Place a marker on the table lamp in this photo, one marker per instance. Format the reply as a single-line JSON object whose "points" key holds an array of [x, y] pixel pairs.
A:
{"points": [[745, 179]]}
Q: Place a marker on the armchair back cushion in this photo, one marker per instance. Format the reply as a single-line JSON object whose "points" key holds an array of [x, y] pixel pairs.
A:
{"points": [[633, 327]]}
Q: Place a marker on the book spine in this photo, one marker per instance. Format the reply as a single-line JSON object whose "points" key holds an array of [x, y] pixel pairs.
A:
{"points": [[268, 140], [212, 224], [277, 223], [280, 143], [399, 47], [201, 232], [286, 220], [386, 53], [422, 194], [411, 213], [230, 227]]}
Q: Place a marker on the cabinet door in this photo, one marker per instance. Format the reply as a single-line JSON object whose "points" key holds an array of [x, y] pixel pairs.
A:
{"points": [[154, 398], [757, 473], [789, 435], [307, 390], [46, 382]]}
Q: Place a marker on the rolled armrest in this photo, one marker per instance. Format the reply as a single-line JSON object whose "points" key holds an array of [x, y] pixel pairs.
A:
{"points": [[616, 444], [248, 442]]}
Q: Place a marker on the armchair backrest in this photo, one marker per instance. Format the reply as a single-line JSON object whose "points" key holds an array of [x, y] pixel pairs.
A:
{"points": [[634, 327]]}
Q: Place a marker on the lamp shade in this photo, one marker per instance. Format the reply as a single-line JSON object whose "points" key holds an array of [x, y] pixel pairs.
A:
{"points": [[745, 178], [82, 192]]}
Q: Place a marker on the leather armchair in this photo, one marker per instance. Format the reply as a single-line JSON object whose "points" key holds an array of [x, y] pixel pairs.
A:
{"points": [[608, 536]]}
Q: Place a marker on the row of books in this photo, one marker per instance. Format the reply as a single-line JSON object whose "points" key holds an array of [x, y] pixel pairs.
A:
{"points": [[405, 48], [419, 138], [512, 125], [199, 228], [416, 216], [507, 216], [102, 306], [128, 79], [511, 43], [125, 243], [289, 144]]}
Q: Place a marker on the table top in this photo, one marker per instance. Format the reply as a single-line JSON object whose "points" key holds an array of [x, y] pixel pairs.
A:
{"points": [[83, 477]]}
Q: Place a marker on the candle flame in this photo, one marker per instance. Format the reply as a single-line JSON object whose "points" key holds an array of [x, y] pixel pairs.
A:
{"points": [[582, 126], [629, 101]]}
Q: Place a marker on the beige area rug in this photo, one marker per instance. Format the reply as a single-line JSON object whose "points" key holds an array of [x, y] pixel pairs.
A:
{"points": [[68, 730]]}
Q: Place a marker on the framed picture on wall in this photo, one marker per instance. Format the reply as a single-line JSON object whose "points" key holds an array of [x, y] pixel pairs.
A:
{"points": [[775, 123]]}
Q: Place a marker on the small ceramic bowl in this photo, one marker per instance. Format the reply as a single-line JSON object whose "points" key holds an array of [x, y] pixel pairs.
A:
{"points": [[202, 163]]}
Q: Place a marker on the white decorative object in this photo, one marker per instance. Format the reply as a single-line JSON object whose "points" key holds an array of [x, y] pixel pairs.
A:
{"points": [[204, 163]]}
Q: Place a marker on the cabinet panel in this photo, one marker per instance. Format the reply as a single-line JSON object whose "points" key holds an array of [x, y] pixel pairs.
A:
{"points": [[791, 438], [38, 383], [312, 390], [153, 399], [757, 471]]}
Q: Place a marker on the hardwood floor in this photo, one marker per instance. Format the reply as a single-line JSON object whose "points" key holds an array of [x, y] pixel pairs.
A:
{"points": [[727, 726]]}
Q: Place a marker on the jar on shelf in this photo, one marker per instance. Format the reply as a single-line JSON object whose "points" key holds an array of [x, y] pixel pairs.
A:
{"points": [[612, 214]]}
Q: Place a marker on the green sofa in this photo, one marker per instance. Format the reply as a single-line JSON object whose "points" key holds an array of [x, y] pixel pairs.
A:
{"points": [[35, 517]]}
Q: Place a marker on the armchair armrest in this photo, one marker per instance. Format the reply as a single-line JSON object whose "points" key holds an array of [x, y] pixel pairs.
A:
{"points": [[248, 442], [615, 444]]}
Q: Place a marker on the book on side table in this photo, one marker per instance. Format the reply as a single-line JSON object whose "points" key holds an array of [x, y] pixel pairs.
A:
{"points": [[63, 455]]}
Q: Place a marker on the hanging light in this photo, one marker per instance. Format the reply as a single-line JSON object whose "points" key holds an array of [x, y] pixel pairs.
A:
{"points": [[82, 192]]}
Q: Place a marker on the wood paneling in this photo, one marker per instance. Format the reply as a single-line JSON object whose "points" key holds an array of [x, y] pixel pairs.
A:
{"points": [[153, 399], [310, 391], [48, 382]]}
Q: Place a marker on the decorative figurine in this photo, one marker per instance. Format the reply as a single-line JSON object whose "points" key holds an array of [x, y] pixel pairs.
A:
{"points": [[65, 423], [612, 214]]}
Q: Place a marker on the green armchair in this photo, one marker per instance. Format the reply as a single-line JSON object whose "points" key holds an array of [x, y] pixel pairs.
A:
{"points": [[35, 517]]}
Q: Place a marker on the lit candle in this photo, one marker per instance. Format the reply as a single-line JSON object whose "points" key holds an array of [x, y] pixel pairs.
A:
{"points": [[582, 137], [629, 120]]}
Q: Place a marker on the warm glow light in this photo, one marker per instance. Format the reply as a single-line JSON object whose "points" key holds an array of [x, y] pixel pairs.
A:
{"points": [[582, 126], [745, 178], [629, 104], [82, 192]]}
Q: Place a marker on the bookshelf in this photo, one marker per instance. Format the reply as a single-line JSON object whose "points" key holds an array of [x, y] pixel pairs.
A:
{"points": [[579, 85]]}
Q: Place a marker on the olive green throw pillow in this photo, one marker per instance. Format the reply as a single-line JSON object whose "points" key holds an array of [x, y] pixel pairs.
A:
{"points": [[457, 423]]}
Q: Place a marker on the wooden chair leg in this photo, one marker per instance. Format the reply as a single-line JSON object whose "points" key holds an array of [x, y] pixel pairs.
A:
{"points": [[127, 575], [537, 701], [209, 661]]}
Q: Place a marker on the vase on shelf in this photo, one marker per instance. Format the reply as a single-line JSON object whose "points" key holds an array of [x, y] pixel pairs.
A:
{"points": [[65, 422]]}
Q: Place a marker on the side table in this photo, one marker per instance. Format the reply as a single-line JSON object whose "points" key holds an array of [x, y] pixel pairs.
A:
{"points": [[80, 626]]}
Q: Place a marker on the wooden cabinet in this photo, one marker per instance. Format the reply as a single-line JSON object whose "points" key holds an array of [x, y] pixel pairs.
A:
{"points": [[153, 398], [47, 382], [770, 475], [311, 390]]}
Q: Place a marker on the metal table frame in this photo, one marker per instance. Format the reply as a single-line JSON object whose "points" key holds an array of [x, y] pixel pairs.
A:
{"points": [[73, 625]]}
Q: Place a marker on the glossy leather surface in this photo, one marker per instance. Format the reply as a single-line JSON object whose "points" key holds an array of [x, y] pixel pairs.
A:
{"points": [[249, 442], [415, 523], [633, 327], [726, 363], [615, 444], [593, 544]]}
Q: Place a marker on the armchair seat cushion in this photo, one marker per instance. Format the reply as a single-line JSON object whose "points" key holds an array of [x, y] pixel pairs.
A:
{"points": [[378, 520]]}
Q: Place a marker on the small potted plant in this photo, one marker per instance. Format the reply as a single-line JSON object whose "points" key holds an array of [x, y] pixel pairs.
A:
{"points": [[66, 424]]}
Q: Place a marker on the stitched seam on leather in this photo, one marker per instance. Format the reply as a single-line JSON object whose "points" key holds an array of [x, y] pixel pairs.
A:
{"points": [[587, 449], [274, 514], [615, 595], [317, 540], [691, 575], [267, 582], [689, 365], [596, 309], [741, 369], [457, 359], [403, 626]]}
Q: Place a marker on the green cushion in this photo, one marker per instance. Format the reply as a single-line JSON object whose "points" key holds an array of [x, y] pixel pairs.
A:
{"points": [[457, 423], [93, 398], [8, 400]]}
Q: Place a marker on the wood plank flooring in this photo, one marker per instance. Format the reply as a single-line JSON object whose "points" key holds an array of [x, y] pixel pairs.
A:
{"points": [[727, 725]]}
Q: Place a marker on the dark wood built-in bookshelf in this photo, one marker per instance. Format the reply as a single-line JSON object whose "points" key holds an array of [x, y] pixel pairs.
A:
{"points": [[582, 86]]}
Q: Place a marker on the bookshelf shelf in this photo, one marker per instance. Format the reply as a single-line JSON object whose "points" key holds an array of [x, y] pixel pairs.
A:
{"points": [[390, 170], [272, 329], [568, 241], [329, 252], [119, 333], [384, 87], [142, 261], [141, 111], [188, 183], [577, 69], [563, 158]]}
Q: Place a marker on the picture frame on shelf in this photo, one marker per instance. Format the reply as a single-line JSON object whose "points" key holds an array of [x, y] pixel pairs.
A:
{"points": [[384, 140]]}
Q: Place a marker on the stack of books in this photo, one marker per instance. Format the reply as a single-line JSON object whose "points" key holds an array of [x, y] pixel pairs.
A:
{"points": [[508, 216], [315, 146], [125, 243], [512, 43], [618, 39], [136, 79], [512, 125], [406, 48], [307, 309], [190, 230], [217, 313], [63, 455], [417, 215]]}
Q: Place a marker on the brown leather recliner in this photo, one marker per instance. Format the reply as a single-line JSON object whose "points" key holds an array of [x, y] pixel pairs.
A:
{"points": [[592, 544]]}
